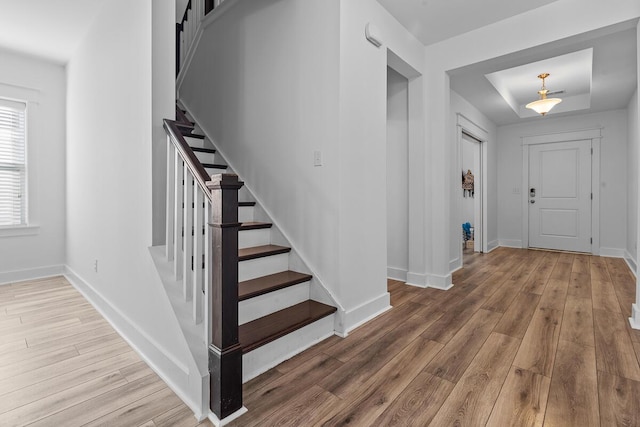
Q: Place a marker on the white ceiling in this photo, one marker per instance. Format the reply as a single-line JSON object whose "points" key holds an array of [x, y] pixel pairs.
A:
{"points": [[613, 77], [571, 77], [435, 20], [603, 77], [49, 29]]}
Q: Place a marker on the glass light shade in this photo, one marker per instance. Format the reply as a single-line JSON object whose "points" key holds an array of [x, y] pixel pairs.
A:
{"points": [[543, 106]]}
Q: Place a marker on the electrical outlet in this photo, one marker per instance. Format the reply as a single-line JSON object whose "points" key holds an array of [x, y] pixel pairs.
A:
{"points": [[317, 158], [95, 266]]}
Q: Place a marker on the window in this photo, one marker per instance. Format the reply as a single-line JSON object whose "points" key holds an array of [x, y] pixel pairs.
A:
{"points": [[13, 206]]}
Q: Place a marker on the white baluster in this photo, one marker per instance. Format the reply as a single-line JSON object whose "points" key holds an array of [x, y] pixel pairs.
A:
{"points": [[178, 215], [171, 153], [207, 274], [188, 235], [198, 252]]}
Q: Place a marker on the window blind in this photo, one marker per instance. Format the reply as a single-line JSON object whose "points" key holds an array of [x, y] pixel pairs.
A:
{"points": [[12, 163]]}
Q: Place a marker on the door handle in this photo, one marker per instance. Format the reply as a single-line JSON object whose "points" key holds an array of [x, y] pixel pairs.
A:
{"points": [[532, 201]]}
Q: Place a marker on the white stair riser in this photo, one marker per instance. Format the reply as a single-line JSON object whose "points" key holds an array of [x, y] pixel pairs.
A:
{"points": [[250, 238], [258, 267], [205, 157], [196, 142], [271, 302], [216, 171], [270, 355], [245, 213]]}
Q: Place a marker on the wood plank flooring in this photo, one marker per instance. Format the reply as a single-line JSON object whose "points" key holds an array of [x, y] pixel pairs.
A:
{"points": [[62, 364], [524, 338]]}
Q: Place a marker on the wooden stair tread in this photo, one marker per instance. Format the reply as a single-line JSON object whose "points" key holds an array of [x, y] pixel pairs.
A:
{"points": [[246, 203], [214, 166], [203, 150], [272, 282], [192, 135], [255, 225], [261, 251], [276, 325]]}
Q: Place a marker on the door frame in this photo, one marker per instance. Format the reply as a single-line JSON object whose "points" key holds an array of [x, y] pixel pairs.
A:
{"points": [[595, 135], [463, 123]]}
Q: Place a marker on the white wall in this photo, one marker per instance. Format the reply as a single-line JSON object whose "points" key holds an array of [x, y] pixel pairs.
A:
{"points": [[109, 182], [42, 84], [397, 175], [164, 99], [362, 123], [613, 173], [633, 142]]}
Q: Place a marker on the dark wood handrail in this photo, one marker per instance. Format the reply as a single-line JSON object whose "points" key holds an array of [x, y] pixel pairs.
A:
{"points": [[188, 156]]}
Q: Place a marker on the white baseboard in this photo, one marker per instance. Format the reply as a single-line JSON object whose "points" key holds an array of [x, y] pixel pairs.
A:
{"points": [[397, 273], [634, 320], [440, 282], [417, 280], [508, 243], [492, 245], [633, 265], [348, 320], [455, 265], [172, 371], [612, 252], [221, 423], [7, 277]]}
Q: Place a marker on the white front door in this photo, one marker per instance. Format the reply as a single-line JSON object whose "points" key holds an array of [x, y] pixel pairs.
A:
{"points": [[560, 196]]}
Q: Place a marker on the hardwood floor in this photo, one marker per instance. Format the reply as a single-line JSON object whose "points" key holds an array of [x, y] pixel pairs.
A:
{"points": [[524, 338], [62, 364]]}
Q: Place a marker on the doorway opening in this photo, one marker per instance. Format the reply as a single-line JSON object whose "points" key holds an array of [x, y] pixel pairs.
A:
{"points": [[470, 192], [470, 207]]}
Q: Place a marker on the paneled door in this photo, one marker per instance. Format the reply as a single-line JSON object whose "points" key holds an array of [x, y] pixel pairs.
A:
{"points": [[560, 196]]}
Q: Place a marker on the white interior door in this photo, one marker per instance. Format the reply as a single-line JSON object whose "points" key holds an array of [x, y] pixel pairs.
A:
{"points": [[560, 196]]}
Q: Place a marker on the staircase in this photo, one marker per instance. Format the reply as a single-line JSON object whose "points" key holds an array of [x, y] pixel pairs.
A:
{"points": [[276, 317]]}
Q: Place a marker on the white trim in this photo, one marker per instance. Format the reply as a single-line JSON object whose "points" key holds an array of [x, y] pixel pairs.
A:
{"points": [[634, 320], [7, 277], [455, 264], [149, 350], [347, 320], [220, 423], [633, 265], [440, 282], [397, 273], [510, 243], [578, 135], [492, 245], [416, 279], [593, 135], [19, 230], [612, 252]]}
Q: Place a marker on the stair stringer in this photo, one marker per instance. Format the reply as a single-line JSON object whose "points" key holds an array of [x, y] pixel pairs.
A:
{"points": [[318, 291]]}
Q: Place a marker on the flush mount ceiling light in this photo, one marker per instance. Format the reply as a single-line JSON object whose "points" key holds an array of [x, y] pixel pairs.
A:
{"points": [[544, 104]]}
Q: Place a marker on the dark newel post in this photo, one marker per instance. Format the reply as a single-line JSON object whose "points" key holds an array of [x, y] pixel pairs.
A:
{"points": [[225, 353], [208, 6]]}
